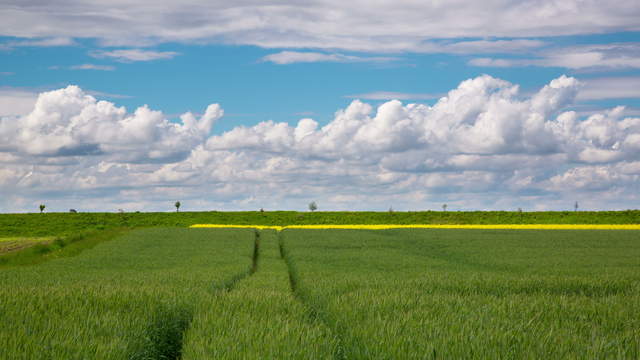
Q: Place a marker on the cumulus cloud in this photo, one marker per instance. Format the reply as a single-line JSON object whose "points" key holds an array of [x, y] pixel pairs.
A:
{"points": [[69, 122], [132, 55], [322, 24], [482, 145], [482, 116]]}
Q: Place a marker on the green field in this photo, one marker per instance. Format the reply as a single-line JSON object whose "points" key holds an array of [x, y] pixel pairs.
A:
{"points": [[472, 294], [130, 298], [167, 293]]}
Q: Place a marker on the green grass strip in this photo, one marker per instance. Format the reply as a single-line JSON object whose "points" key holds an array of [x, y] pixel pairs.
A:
{"points": [[56, 247], [63, 224]]}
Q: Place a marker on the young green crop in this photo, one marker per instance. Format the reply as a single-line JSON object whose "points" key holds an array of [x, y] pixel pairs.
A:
{"points": [[161, 293], [259, 318], [358, 294], [129, 298], [472, 293]]}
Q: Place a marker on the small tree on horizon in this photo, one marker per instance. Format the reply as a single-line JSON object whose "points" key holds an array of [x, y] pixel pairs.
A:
{"points": [[177, 205], [313, 206], [575, 206], [444, 207], [42, 208]]}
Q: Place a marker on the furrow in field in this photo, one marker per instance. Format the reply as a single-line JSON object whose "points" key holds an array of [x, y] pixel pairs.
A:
{"points": [[315, 307], [228, 284], [170, 323]]}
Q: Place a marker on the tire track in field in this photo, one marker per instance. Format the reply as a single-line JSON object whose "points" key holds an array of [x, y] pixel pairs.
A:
{"points": [[316, 308], [166, 330], [232, 282]]}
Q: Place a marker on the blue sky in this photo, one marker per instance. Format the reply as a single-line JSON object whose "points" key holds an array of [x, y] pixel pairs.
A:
{"points": [[255, 90], [480, 73]]}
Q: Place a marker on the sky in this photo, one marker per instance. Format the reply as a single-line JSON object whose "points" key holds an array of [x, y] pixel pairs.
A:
{"points": [[358, 105]]}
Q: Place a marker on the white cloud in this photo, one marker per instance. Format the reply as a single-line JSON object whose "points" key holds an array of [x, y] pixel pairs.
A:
{"points": [[16, 101], [44, 42], [489, 62], [131, 55], [290, 57], [460, 47], [486, 46], [92, 67], [392, 95], [594, 178], [483, 145], [611, 88], [107, 95], [323, 24], [69, 122], [585, 57]]}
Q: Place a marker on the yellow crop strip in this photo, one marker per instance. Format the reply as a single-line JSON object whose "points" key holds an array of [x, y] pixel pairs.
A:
{"points": [[437, 226]]}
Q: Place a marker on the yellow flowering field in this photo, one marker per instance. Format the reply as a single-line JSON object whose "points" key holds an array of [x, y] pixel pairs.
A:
{"points": [[437, 226]]}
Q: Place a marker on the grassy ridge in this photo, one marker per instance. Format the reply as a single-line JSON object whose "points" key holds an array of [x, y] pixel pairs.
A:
{"points": [[49, 224], [50, 248], [8, 245], [129, 298], [472, 294]]}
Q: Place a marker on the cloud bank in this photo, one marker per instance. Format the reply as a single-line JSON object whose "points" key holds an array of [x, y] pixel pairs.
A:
{"points": [[320, 24], [483, 145]]}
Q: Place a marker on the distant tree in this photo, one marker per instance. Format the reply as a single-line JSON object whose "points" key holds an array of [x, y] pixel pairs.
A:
{"points": [[313, 206], [42, 208], [177, 205], [444, 207], [575, 206], [261, 210], [390, 209], [73, 211], [520, 210]]}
